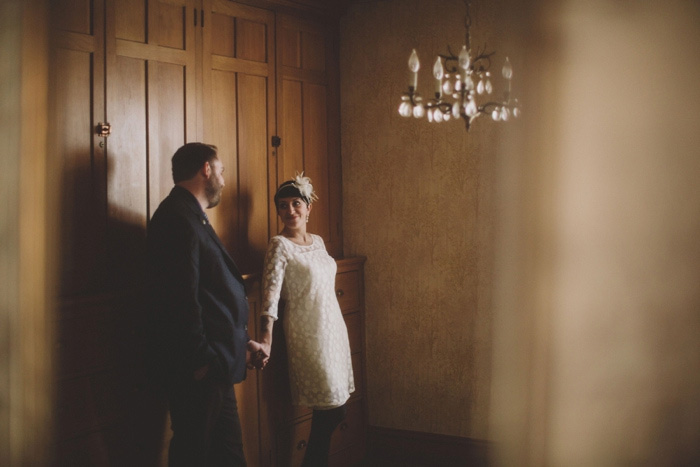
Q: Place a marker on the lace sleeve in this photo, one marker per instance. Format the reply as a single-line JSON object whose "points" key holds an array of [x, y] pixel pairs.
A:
{"points": [[273, 276]]}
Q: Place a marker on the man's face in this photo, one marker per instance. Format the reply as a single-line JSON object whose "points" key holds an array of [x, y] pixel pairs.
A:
{"points": [[215, 183]]}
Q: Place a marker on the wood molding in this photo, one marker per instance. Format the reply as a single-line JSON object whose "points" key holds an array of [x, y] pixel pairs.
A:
{"points": [[411, 448]]}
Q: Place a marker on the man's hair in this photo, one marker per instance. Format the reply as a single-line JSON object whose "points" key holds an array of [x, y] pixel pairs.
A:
{"points": [[190, 158]]}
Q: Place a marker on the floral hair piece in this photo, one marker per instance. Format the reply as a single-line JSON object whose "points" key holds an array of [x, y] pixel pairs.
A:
{"points": [[303, 184]]}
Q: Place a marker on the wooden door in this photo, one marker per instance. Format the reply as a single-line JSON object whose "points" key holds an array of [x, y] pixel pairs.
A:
{"points": [[238, 100], [77, 103], [308, 118], [238, 114], [151, 106]]}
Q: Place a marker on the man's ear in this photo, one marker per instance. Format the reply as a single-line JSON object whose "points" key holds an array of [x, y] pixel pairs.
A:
{"points": [[206, 170]]}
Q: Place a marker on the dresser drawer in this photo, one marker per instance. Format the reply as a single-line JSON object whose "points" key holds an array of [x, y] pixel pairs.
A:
{"points": [[351, 430], [347, 289], [292, 442]]}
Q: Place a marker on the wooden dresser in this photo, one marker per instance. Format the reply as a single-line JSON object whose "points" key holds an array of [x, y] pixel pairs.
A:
{"points": [[284, 429]]}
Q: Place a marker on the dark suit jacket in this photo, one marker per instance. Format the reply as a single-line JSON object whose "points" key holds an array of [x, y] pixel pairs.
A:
{"points": [[197, 295]]}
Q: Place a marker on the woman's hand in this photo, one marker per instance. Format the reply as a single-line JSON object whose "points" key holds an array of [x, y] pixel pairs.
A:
{"points": [[257, 355]]}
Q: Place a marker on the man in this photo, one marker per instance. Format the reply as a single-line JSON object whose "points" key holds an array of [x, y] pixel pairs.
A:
{"points": [[201, 314]]}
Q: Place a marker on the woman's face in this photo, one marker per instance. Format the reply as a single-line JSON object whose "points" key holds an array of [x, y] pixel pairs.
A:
{"points": [[293, 212]]}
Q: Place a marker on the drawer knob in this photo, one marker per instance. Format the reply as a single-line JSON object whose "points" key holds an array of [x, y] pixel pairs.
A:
{"points": [[339, 293], [301, 445]]}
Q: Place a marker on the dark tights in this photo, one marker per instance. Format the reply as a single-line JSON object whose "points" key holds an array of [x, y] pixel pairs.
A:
{"points": [[323, 423]]}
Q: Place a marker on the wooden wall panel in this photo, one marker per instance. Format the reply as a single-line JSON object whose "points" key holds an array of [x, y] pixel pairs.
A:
{"points": [[82, 222], [72, 15], [238, 107], [225, 27], [222, 132], [309, 116], [166, 126], [252, 130], [316, 155], [171, 28], [289, 47], [131, 20], [128, 144], [292, 130], [251, 40], [313, 51]]}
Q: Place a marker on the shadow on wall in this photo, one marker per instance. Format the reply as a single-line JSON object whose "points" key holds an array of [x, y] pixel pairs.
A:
{"points": [[109, 412]]}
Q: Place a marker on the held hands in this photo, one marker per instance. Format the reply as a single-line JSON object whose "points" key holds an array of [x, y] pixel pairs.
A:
{"points": [[257, 355]]}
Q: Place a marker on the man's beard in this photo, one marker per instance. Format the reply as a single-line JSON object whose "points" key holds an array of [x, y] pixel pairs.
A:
{"points": [[213, 191]]}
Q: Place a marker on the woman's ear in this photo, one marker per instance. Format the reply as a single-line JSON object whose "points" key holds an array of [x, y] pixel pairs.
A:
{"points": [[310, 206]]}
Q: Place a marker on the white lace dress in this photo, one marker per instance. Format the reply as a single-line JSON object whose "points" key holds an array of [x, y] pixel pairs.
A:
{"points": [[320, 367]]}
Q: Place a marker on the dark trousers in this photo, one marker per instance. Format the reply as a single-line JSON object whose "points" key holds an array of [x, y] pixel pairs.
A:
{"points": [[206, 427], [323, 423]]}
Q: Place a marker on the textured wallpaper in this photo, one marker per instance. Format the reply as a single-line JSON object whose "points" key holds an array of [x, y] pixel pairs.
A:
{"points": [[418, 203]]}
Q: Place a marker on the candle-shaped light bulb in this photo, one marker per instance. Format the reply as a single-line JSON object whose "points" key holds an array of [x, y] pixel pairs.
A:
{"points": [[507, 69], [438, 72], [438, 69], [414, 66], [464, 60], [413, 63]]}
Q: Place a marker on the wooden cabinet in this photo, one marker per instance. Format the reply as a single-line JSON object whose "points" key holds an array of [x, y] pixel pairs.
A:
{"points": [[285, 428], [162, 73]]}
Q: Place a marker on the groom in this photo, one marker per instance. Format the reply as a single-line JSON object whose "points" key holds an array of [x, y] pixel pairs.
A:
{"points": [[200, 309]]}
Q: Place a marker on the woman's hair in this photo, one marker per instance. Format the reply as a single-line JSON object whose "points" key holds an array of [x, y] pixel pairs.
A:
{"points": [[298, 187], [190, 158]]}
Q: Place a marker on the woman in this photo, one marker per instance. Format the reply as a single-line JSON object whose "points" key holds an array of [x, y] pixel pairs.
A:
{"points": [[299, 270]]}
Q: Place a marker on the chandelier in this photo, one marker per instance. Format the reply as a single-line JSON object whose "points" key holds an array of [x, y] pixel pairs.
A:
{"points": [[460, 81]]}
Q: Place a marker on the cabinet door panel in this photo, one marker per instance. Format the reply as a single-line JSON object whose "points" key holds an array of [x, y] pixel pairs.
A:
{"points": [[130, 17], [252, 128], [316, 155], [292, 130], [308, 118], [168, 127], [224, 87], [77, 98], [238, 101]]}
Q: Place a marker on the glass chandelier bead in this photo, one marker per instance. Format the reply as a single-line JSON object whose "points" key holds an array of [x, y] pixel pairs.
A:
{"points": [[419, 111], [516, 112], [489, 86], [405, 109], [438, 117], [480, 87], [471, 108], [496, 114], [505, 113], [458, 84], [468, 83], [447, 87], [455, 110]]}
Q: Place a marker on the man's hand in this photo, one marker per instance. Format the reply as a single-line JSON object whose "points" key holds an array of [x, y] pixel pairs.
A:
{"points": [[257, 355]]}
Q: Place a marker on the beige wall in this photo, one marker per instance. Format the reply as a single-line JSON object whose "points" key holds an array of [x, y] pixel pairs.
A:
{"points": [[597, 334], [590, 205], [418, 204]]}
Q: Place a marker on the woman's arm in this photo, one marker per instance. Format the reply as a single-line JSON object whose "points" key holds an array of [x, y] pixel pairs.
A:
{"points": [[273, 277]]}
